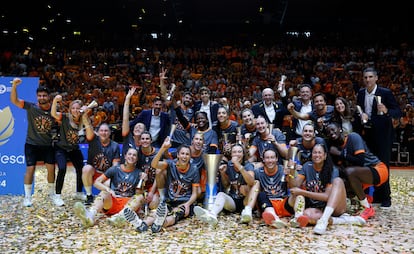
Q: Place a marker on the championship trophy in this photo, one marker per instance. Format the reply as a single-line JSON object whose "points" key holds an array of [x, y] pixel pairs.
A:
{"points": [[170, 94], [212, 163], [281, 82], [239, 134], [91, 105], [379, 102], [293, 154], [172, 130], [270, 131], [360, 113]]}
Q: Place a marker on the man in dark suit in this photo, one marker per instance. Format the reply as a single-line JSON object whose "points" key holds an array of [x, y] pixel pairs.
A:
{"points": [[206, 105], [157, 122], [379, 108], [273, 111]]}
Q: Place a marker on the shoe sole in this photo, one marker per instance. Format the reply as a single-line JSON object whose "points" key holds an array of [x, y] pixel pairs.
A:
{"points": [[246, 219], [117, 222], [278, 224], [319, 231], [132, 217], [268, 218], [203, 215], [159, 220], [143, 228], [303, 221], [80, 212]]}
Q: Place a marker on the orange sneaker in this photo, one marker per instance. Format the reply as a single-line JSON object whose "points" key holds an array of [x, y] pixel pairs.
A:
{"points": [[268, 218], [303, 221], [367, 213]]}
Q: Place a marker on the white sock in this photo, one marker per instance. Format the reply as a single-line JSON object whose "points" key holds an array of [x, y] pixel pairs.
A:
{"points": [[162, 194], [51, 187], [364, 203], [248, 208], [338, 220], [88, 190], [327, 213], [218, 205], [28, 190]]}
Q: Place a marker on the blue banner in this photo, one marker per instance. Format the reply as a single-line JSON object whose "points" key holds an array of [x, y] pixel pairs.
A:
{"points": [[13, 129]]}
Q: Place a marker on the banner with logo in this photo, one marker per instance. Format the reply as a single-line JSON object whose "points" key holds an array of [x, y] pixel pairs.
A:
{"points": [[13, 129]]}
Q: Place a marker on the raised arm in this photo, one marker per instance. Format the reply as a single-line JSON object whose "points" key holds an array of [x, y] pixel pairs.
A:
{"points": [[156, 163], [13, 93], [125, 112], [57, 115], [90, 134]]}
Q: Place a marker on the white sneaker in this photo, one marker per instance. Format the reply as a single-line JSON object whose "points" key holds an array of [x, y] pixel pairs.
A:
{"points": [[27, 201], [117, 220], [278, 223], [320, 227], [86, 217], [246, 215], [79, 196], [132, 217], [57, 199], [348, 219], [205, 215]]}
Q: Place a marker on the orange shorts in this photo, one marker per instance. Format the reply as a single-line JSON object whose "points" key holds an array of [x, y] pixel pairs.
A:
{"points": [[383, 174], [279, 206], [96, 175], [118, 203]]}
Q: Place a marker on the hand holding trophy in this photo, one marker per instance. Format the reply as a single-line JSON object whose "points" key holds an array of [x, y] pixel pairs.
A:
{"points": [[281, 83], [91, 105]]}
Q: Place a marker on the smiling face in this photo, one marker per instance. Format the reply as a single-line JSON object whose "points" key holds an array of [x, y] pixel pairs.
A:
{"points": [[340, 106], [318, 154], [75, 107], [222, 115], [156, 106], [247, 117], [201, 121], [42, 98], [268, 96], [237, 152], [198, 142], [186, 100], [305, 93], [104, 133], [333, 132], [139, 128], [146, 139], [131, 157], [261, 125], [319, 102], [308, 133], [183, 155], [270, 159]]}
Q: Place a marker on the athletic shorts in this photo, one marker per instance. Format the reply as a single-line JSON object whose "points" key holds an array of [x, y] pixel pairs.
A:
{"points": [[34, 153], [380, 175], [118, 203]]}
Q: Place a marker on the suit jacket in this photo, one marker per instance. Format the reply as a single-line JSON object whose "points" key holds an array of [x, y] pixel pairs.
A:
{"points": [[280, 110], [145, 118], [388, 99], [379, 136], [213, 110]]}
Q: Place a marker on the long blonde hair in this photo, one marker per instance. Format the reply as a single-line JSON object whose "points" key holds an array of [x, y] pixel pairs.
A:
{"points": [[71, 120]]}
